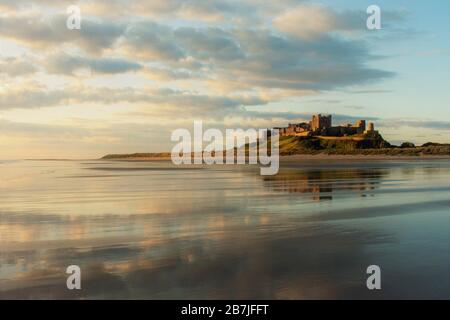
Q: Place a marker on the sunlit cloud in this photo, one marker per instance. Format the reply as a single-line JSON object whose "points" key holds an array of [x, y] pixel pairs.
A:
{"points": [[169, 62]]}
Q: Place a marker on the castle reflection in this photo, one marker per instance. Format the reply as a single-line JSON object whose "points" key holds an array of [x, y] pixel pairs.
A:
{"points": [[326, 184]]}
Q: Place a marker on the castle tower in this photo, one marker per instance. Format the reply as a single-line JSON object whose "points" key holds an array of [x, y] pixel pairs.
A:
{"points": [[360, 126], [371, 127], [319, 122]]}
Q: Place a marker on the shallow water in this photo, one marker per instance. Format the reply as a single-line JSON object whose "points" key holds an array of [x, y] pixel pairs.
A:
{"points": [[155, 231]]}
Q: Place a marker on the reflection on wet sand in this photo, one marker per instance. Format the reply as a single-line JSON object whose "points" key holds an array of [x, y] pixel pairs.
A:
{"points": [[305, 262], [321, 183], [223, 232]]}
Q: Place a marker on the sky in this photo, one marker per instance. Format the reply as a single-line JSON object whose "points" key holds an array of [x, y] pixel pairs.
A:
{"points": [[137, 70]]}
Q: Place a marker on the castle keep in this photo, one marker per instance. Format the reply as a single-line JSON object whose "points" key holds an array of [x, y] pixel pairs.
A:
{"points": [[322, 126]]}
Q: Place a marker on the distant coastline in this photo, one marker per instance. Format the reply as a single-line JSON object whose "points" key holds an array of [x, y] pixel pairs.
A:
{"points": [[320, 156], [441, 151], [318, 138]]}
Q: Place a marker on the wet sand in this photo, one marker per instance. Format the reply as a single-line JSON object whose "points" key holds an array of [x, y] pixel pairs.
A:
{"points": [[148, 230]]}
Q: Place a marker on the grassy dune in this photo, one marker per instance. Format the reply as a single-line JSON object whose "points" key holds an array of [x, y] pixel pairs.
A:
{"points": [[357, 146]]}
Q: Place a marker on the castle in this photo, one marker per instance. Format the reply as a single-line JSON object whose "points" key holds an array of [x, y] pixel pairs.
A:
{"points": [[321, 126]]}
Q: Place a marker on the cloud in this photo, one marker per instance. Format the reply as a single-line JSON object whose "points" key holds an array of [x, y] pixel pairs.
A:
{"points": [[67, 64], [151, 41], [25, 4], [205, 59], [13, 66], [306, 116], [212, 11], [30, 97], [209, 44], [427, 124], [80, 139], [166, 74], [223, 63], [42, 32], [325, 63], [192, 9], [38, 130], [225, 59], [308, 21], [256, 59], [305, 21], [375, 91], [325, 101]]}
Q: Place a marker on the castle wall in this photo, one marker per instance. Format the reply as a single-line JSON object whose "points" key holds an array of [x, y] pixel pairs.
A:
{"points": [[321, 125], [341, 131]]}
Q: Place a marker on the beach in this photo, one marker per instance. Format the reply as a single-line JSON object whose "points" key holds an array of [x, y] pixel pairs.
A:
{"points": [[152, 230]]}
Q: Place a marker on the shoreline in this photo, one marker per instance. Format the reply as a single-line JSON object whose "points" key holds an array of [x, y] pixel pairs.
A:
{"points": [[301, 157]]}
